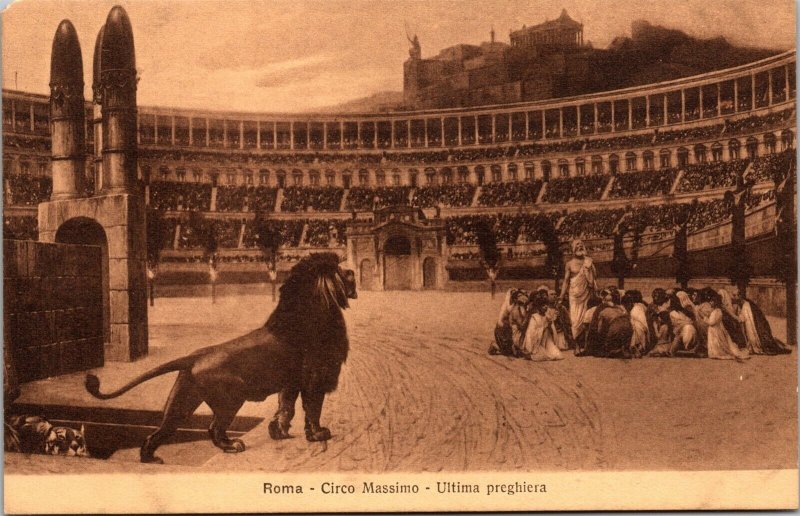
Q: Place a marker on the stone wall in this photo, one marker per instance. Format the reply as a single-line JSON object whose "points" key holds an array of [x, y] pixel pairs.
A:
{"points": [[53, 306]]}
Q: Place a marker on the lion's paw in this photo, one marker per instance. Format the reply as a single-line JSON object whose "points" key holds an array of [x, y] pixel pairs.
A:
{"points": [[278, 431], [319, 434], [233, 446]]}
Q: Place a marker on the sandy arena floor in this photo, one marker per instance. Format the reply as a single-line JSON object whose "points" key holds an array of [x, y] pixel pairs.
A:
{"points": [[420, 393]]}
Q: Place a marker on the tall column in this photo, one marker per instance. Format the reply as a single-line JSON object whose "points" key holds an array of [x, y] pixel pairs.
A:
{"points": [[291, 134], [173, 131], [97, 112], [786, 81], [647, 110], [578, 111], [325, 135], [494, 128], [527, 126], [683, 105], [118, 79], [736, 95], [561, 122], [425, 124], [630, 114], [719, 100], [274, 135], [358, 134], [67, 115], [769, 87], [544, 125], [375, 135], [241, 133], [666, 109], [459, 131], [392, 134], [752, 91], [477, 131]]}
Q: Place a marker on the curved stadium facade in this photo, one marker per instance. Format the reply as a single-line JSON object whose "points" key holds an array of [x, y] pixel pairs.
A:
{"points": [[648, 153]]}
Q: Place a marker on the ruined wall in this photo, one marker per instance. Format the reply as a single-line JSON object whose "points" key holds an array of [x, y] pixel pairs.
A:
{"points": [[53, 302]]}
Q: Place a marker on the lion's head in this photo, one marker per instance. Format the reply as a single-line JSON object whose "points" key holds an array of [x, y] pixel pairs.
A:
{"points": [[318, 279]]}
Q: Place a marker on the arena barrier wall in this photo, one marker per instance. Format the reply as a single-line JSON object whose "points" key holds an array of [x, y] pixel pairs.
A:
{"points": [[53, 307]]}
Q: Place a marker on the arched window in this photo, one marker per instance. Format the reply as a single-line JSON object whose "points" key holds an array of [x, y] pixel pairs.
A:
{"points": [[512, 172], [430, 176], [463, 174], [497, 173], [769, 143], [413, 174], [597, 165], [313, 177], [580, 167], [733, 149], [630, 161], [248, 176], [263, 177], [281, 176], [330, 177], [648, 159], [180, 174], [700, 153], [197, 175], [480, 174], [396, 178], [380, 177], [231, 176], [716, 152], [529, 170], [363, 177], [787, 139], [214, 174], [613, 163], [563, 168], [547, 170], [752, 148], [447, 176], [297, 177], [163, 172], [347, 179], [683, 157], [666, 158]]}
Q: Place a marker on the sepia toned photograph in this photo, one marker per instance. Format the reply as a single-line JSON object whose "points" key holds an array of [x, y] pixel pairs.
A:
{"points": [[336, 256]]}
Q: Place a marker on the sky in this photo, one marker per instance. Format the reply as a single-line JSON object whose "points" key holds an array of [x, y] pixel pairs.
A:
{"points": [[295, 56]]}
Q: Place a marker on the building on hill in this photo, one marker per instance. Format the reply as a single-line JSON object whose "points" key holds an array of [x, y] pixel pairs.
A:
{"points": [[543, 61]]}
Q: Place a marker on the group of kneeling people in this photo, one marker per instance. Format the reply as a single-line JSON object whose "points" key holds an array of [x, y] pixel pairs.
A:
{"points": [[619, 324]]}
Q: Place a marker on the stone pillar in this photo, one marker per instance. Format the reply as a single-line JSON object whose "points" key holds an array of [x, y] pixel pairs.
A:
{"points": [[67, 114], [97, 112], [118, 84]]}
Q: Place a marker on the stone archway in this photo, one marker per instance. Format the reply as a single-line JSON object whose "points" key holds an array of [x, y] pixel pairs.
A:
{"points": [[397, 268], [367, 274], [86, 231]]}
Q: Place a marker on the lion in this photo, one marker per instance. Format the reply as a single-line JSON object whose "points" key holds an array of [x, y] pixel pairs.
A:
{"points": [[299, 351]]}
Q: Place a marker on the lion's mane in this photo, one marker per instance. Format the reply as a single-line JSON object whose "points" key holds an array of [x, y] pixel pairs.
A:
{"points": [[309, 318]]}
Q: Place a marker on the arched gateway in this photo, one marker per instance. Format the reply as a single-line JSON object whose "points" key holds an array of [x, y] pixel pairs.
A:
{"points": [[407, 249]]}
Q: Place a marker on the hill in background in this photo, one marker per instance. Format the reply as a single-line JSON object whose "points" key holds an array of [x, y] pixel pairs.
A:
{"points": [[651, 54]]}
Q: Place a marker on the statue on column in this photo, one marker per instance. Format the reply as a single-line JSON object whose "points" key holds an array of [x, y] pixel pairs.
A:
{"points": [[415, 52]]}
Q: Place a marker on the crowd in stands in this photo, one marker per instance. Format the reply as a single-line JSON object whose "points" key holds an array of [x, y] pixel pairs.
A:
{"points": [[167, 195], [309, 198], [688, 134], [767, 168], [579, 188], [290, 231], [325, 233], [245, 198], [197, 233], [758, 122], [710, 175], [643, 184], [510, 193], [363, 198], [507, 228], [590, 223], [20, 228], [451, 195], [620, 142], [27, 190]]}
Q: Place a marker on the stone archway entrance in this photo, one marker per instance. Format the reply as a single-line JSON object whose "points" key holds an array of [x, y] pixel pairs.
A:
{"points": [[397, 263], [367, 276], [85, 231], [429, 273]]}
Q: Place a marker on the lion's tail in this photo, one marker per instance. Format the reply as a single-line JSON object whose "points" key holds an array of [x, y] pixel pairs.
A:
{"points": [[93, 382]]}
